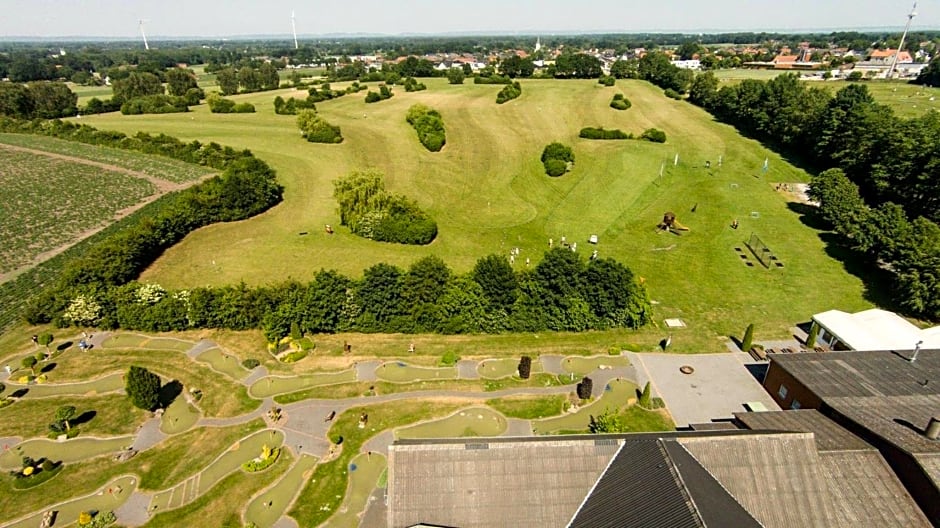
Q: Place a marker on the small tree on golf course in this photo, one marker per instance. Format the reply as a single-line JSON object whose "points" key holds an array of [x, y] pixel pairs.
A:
{"points": [[28, 362], [45, 340], [585, 388], [525, 367], [64, 414], [748, 340], [143, 387]]}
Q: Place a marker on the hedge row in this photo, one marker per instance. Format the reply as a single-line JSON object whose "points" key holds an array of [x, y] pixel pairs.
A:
{"points": [[429, 125], [315, 129], [155, 104], [221, 105], [509, 92], [493, 79], [384, 93], [601, 133], [411, 85]]}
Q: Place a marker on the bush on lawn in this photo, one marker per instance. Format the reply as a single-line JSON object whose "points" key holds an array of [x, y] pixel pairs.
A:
{"points": [[316, 129], [584, 388], [525, 367], [601, 133], [250, 363], [449, 359], [619, 102], [653, 134], [509, 92], [429, 125], [154, 104]]}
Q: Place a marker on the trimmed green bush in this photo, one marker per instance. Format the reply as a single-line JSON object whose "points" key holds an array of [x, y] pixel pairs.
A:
{"points": [[260, 464], [619, 102], [601, 133], [411, 85], [555, 168], [585, 388], [449, 359], [556, 157], [672, 94], [607, 80], [493, 79], [509, 92], [384, 93], [525, 367], [748, 340], [812, 335], [653, 134], [315, 129], [293, 357], [143, 387], [429, 125], [250, 363], [372, 212], [291, 106], [645, 396]]}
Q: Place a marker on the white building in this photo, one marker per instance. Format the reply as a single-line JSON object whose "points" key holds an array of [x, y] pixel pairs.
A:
{"points": [[691, 64], [872, 330]]}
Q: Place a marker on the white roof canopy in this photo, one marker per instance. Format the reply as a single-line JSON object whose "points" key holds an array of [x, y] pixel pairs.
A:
{"points": [[877, 330]]}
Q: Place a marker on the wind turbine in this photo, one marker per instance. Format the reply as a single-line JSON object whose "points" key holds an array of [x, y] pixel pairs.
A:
{"points": [[894, 63], [293, 26], [140, 23]]}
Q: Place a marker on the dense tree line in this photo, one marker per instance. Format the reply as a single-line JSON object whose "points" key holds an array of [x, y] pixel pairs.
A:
{"points": [[291, 105], [41, 99], [245, 187], [889, 166], [429, 125], [248, 79], [562, 292], [372, 212]]}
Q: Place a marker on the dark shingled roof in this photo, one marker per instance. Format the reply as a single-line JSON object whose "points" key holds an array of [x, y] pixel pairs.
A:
{"points": [[829, 435]]}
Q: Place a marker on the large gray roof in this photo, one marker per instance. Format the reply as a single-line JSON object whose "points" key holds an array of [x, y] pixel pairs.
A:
{"points": [[753, 478], [829, 435]]}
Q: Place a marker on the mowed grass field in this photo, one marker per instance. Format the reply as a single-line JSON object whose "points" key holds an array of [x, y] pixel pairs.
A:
{"points": [[488, 192]]}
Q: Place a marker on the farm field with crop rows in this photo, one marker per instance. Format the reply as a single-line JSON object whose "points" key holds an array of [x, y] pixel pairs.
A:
{"points": [[49, 202], [153, 166]]}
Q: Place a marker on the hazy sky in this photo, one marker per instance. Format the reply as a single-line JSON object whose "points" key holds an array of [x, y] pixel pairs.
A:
{"points": [[118, 18]]}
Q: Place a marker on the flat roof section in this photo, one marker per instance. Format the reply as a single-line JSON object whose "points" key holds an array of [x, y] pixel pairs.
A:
{"points": [[719, 386]]}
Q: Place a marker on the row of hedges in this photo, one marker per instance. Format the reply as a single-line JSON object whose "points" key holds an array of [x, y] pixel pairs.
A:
{"points": [[155, 104], [315, 129], [509, 92], [384, 93], [619, 102], [602, 133], [561, 292], [556, 157], [429, 125], [653, 134], [245, 187], [325, 93], [291, 106], [221, 105], [372, 212]]}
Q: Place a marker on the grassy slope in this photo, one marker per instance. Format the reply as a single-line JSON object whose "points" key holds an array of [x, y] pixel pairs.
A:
{"points": [[488, 193]]}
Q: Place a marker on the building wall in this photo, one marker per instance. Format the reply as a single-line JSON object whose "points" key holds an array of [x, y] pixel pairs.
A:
{"points": [[794, 390]]}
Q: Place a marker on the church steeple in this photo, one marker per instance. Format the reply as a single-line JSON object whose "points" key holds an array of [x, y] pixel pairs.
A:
{"points": [[538, 44]]}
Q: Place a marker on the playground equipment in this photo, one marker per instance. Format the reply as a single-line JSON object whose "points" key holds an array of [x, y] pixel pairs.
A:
{"points": [[670, 224]]}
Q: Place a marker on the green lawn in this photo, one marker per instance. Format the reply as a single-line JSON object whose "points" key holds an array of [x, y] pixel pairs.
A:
{"points": [[529, 407], [614, 399], [475, 421], [105, 415], [403, 373], [362, 481], [265, 509], [582, 366], [273, 385], [488, 192]]}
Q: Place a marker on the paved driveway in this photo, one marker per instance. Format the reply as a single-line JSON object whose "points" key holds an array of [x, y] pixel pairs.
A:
{"points": [[719, 386]]}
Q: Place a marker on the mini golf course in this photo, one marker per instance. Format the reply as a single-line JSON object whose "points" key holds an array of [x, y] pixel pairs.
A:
{"points": [[306, 429]]}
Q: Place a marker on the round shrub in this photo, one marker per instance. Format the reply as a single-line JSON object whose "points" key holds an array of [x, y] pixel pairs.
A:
{"points": [[250, 363], [555, 167], [672, 94], [653, 134]]}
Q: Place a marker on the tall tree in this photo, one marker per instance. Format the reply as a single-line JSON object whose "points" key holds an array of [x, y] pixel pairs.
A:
{"points": [[143, 387], [494, 274], [136, 85], [179, 81], [270, 79], [65, 414], [227, 80], [16, 100], [249, 79], [53, 100]]}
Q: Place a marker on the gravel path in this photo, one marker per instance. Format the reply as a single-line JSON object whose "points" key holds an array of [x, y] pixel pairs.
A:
{"points": [[365, 370], [134, 511], [200, 347], [256, 374], [149, 435], [552, 364], [518, 427]]}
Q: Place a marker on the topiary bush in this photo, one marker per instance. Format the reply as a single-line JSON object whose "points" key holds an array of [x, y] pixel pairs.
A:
{"points": [[619, 102], [449, 359], [584, 388], [748, 341], [653, 134], [316, 130], [525, 367]]}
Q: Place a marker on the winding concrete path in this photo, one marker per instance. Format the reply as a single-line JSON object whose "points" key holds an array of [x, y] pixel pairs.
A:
{"points": [[305, 425]]}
